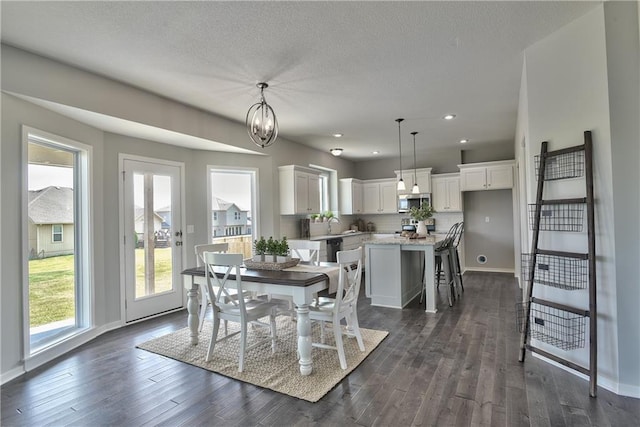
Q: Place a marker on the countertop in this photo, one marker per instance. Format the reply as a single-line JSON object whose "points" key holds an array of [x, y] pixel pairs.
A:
{"points": [[429, 240]]}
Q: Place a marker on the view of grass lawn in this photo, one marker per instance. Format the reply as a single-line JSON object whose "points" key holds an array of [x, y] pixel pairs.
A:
{"points": [[51, 293], [51, 283], [163, 271]]}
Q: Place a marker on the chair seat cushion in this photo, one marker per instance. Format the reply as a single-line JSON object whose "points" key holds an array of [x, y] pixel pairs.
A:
{"points": [[323, 304], [254, 308]]}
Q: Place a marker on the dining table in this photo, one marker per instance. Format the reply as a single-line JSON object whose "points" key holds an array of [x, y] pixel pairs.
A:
{"points": [[300, 285]]}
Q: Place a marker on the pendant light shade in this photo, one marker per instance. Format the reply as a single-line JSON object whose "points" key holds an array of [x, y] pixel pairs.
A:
{"points": [[415, 189], [401, 186], [261, 121]]}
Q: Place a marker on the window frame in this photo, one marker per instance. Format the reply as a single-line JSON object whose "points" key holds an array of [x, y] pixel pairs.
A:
{"points": [[83, 249]]}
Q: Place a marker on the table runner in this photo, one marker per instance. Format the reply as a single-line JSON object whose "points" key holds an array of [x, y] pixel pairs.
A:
{"points": [[333, 273]]}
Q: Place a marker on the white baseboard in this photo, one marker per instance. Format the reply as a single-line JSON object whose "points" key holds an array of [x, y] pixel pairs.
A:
{"points": [[606, 383], [11, 374], [490, 269]]}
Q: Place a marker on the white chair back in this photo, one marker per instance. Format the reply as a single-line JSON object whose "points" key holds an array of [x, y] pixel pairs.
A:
{"points": [[223, 299], [350, 274], [307, 250], [209, 247]]}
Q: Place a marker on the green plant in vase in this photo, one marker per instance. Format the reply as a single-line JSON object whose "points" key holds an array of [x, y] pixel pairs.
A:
{"points": [[259, 249], [283, 250], [272, 250], [421, 214]]}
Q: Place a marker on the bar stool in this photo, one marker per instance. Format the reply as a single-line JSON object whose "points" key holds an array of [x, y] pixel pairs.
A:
{"points": [[444, 243], [455, 261]]}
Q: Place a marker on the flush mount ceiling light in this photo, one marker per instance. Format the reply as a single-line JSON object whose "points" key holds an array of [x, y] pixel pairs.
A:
{"points": [[401, 186], [261, 121], [464, 141], [336, 151], [337, 135], [375, 152], [449, 117], [415, 189]]}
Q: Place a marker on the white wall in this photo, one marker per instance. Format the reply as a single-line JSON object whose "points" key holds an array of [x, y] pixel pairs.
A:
{"points": [[43, 79], [569, 88]]}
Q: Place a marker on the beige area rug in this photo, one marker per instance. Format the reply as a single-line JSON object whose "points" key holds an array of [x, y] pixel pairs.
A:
{"points": [[276, 371]]}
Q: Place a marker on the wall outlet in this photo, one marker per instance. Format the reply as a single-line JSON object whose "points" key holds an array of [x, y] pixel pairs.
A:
{"points": [[486, 219]]}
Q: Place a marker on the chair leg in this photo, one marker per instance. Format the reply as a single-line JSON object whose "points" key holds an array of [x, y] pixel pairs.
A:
{"points": [[354, 328], [272, 321], [204, 303], [243, 346], [459, 270], [337, 331], [214, 337], [322, 338]]}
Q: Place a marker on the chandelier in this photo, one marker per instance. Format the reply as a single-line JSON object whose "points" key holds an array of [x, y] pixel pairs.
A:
{"points": [[261, 121]]}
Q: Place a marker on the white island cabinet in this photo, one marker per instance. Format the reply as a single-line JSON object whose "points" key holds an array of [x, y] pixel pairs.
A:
{"points": [[396, 269]]}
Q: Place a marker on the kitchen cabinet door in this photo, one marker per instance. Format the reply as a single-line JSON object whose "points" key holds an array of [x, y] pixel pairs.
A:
{"points": [[499, 177], [299, 190], [371, 198], [388, 197], [351, 202], [446, 194], [380, 197], [473, 179]]}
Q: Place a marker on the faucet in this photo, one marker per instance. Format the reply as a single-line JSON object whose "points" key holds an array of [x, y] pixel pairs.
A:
{"points": [[334, 219]]}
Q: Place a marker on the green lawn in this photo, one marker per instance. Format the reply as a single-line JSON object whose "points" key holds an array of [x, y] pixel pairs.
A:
{"points": [[51, 294]]}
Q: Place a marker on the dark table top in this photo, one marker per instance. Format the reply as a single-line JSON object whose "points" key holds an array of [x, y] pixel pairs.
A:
{"points": [[291, 278]]}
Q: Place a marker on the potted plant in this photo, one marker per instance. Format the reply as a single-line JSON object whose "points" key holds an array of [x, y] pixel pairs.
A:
{"points": [[420, 214], [283, 250], [314, 217], [320, 217], [272, 250], [259, 249], [328, 215]]}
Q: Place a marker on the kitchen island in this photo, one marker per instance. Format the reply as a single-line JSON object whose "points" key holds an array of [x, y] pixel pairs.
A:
{"points": [[396, 268]]}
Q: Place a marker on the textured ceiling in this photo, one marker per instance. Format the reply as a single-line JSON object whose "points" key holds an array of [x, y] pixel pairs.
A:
{"points": [[349, 67]]}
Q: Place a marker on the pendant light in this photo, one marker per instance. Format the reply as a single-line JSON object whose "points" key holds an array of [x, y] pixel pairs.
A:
{"points": [[261, 121], [415, 189], [401, 186]]}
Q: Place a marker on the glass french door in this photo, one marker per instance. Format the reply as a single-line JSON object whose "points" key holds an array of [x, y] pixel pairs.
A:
{"points": [[153, 238]]}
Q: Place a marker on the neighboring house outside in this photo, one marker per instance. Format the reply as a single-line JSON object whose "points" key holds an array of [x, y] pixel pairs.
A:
{"points": [[227, 219], [51, 230], [161, 234]]}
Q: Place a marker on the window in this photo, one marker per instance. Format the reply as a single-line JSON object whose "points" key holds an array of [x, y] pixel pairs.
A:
{"points": [[323, 182], [215, 216], [56, 233], [234, 186]]}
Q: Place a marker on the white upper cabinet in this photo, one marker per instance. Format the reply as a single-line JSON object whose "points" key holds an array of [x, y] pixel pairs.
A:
{"points": [[379, 196], [351, 201], [446, 195], [299, 190], [486, 176], [422, 176]]}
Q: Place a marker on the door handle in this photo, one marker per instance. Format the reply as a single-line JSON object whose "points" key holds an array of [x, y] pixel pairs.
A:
{"points": [[178, 243], [178, 233]]}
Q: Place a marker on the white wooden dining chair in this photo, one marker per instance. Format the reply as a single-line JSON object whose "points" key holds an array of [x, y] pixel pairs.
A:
{"points": [[205, 299], [239, 310], [308, 251], [343, 306]]}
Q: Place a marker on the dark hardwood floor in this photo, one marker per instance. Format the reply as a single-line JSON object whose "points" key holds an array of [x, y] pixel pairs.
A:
{"points": [[458, 367]]}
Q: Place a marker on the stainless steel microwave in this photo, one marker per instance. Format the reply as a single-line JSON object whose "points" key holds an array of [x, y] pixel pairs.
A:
{"points": [[407, 201]]}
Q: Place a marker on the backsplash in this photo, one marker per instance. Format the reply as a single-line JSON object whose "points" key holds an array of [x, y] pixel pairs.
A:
{"points": [[392, 222]]}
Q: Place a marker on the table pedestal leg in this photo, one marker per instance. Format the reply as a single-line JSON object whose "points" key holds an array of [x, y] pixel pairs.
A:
{"points": [[304, 339], [193, 320]]}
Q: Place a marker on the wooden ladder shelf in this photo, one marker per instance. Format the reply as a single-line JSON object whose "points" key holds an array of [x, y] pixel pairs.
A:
{"points": [[561, 325]]}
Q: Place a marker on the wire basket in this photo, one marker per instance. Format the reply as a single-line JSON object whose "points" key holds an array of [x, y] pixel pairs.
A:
{"points": [[554, 326], [563, 166], [561, 272], [558, 217]]}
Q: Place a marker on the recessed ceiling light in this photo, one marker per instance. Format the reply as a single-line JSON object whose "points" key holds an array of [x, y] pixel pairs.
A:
{"points": [[449, 117], [336, 151], [376, 152], [464, 141], [337, 135]]}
